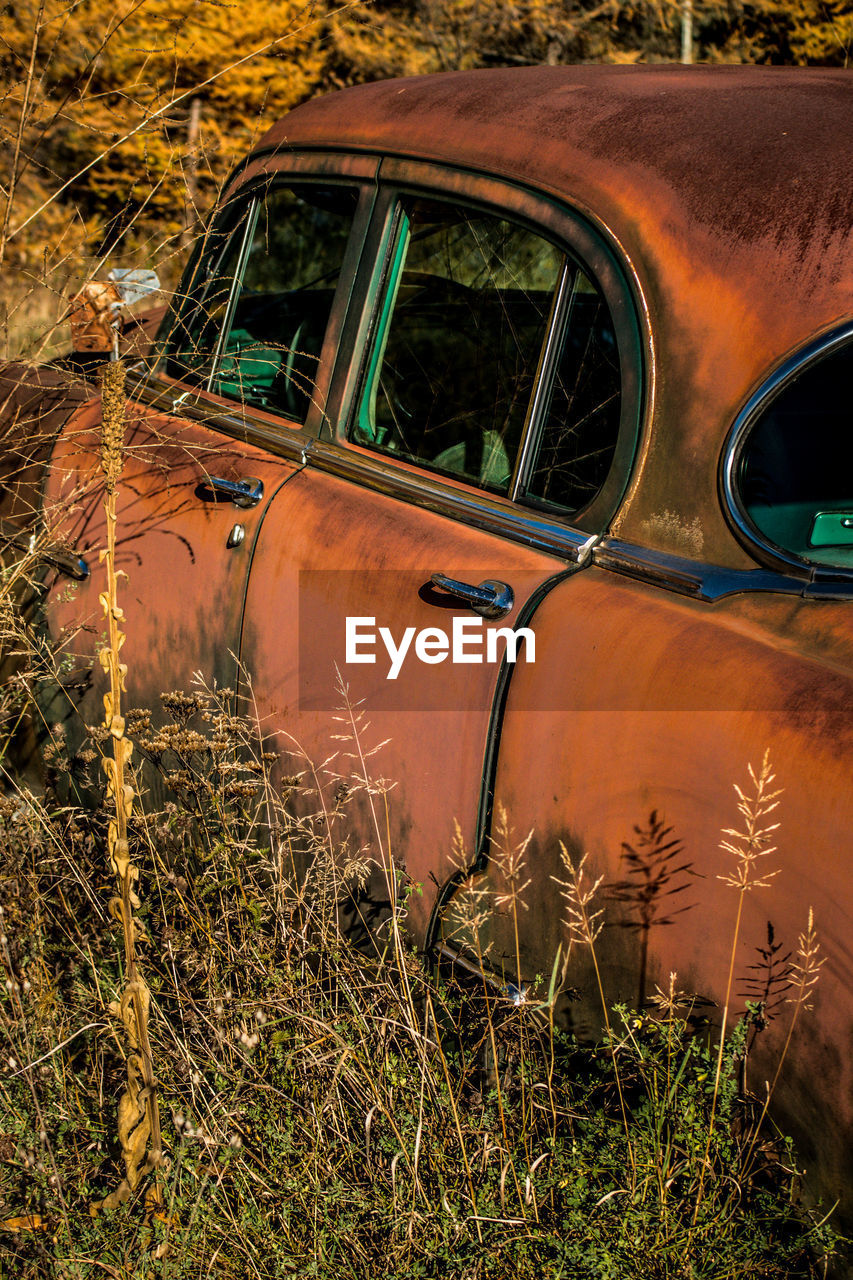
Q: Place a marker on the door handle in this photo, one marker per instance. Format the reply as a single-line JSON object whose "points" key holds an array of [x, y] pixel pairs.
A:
{"points": [[491, 599], [243, 493], [68, 562]]}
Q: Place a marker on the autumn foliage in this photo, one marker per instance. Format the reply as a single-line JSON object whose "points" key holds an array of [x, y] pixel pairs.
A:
{"points": [[120, 122]]}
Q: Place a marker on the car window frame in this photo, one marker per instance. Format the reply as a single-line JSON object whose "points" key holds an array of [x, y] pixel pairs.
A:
{"points": [[573, 234]]}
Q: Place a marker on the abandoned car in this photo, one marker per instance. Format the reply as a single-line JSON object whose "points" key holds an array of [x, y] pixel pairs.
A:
{"points": [[517, 404]]}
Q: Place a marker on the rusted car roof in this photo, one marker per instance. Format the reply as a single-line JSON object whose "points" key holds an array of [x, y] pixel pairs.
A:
{"points": [[727, 188]]}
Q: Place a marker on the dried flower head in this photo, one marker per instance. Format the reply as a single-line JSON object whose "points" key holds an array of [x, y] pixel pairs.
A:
{"points": [[805, 968], [671, 1001], [509, 857], [112, 419], [583, 925], [753, 843]]}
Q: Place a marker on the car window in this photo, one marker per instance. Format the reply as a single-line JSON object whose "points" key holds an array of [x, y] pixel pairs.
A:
{"points": [[193, 336], [256, 325], [574, 450], [457, 345], [795, 476]]}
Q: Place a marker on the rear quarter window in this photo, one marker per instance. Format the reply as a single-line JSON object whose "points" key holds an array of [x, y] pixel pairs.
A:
{"points": [[794, 477]]}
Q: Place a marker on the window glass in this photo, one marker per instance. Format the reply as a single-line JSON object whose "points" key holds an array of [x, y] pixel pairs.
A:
{"points": [[574, 451], [458, 342], [193, 340], [796, 468], [268, 341]]}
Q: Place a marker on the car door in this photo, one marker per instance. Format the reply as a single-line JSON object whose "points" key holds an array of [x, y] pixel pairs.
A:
{"points": [[213, 432], [480, 428]]}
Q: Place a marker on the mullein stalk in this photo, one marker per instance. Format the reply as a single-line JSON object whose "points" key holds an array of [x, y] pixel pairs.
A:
{"points": [[138, 1111]]}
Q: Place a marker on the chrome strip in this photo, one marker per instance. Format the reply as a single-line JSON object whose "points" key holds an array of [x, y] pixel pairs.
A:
{"points": [[745, 531], [701, 581], [476, 508], [696, 579]]}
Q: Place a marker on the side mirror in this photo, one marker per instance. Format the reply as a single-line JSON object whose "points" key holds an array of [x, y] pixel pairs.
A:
{"points": [[134, 283], [96, 309]]}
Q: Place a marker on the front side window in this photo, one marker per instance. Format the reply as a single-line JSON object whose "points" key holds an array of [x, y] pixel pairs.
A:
{"points": [[458, 342], [253, 326], [795, 472], [195, 333]]}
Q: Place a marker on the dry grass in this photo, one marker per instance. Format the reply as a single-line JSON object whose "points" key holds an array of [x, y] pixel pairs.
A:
{"points": [[331, 1110]]}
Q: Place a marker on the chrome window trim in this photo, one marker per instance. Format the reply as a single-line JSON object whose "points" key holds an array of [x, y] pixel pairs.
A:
{"points": [[746, 532], [496, 515], [475, 507], [482, 510]]}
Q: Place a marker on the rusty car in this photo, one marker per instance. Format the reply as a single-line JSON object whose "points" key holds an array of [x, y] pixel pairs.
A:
{"points": [[564, 351]]}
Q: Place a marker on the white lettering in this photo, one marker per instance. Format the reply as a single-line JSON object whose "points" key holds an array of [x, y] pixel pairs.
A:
{"points": [[432, 645], [462, 636], [396, 653], [356, 638], [512, 639]]}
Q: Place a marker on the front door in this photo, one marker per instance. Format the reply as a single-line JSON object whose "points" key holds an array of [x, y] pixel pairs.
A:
{"points": [[219, 429]]}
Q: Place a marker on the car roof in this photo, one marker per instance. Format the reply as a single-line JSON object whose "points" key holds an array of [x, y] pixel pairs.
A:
{"points": [[756, 151], [726, 189]]}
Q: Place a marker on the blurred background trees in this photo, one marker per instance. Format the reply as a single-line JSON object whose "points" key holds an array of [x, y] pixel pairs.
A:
{"points": [[119, 121]]}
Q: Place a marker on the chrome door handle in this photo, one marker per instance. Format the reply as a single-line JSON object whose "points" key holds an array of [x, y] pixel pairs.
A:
{"points": [[491, 599], [68, 562], [243, 493]]}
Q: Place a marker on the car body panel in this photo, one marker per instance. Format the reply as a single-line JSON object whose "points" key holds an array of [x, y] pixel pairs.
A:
{"points": [[330, 549], [185, 588]]}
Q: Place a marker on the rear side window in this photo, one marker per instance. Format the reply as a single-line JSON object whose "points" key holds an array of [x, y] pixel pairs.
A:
{"points": [[795, 473], [457, 346]]}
